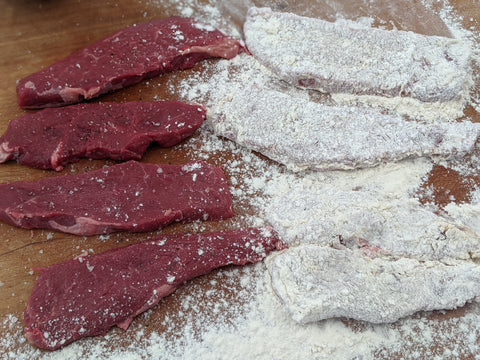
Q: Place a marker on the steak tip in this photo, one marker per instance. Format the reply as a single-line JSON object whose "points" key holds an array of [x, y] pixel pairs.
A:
{"points": [[277, 243], [281, 245], [125, 323], [6, 153], [37, 338]]}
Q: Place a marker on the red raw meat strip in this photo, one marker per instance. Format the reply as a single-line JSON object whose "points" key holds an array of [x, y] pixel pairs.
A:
{"points": [[125, 58], [130, 196], [51, 138], [88, 295]]}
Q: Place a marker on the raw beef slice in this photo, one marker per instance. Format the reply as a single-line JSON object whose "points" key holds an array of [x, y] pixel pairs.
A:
{"points": [[51, 138], [88, 295], [346, 57], [131, 196], [128, 56]]}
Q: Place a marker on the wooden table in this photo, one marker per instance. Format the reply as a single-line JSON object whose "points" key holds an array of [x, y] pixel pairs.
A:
{"points": [[37, 33]]}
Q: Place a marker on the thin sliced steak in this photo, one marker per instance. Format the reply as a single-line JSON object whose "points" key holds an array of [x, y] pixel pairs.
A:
{"points": [[344, 57], [88, 295], [320, 282], [304, 134], [52, 138], [131, 196], [125, 58]]}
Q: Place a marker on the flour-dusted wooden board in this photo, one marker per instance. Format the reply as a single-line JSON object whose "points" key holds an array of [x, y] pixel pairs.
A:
{"points": [[36, 33]]}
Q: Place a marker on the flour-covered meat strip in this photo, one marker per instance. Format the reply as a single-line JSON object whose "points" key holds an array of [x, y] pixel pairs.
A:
{"points": [[52, 138], [326, 215], [320, 282], [125, 58], [130, 196], [303, 134], [88, 295], [344, 57]]}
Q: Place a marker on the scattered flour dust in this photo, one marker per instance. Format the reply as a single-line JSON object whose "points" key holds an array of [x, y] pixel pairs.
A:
{"points": [[245, 320], [260, 328]]}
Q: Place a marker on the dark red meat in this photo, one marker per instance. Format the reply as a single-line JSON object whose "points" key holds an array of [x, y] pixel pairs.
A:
{"points": [[51, 138], [130, 196], [88, 295], [125, 58]]}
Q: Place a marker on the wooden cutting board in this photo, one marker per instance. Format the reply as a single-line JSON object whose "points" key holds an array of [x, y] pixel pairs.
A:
{"points": [[37, 33]]}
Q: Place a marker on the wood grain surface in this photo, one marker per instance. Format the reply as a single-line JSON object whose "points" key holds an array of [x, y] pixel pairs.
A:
{"points": [[34, 34]]}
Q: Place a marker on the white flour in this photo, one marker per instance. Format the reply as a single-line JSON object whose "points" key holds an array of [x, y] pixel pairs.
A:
{"points": [[467, 213], [439, 110], [244, 319]]}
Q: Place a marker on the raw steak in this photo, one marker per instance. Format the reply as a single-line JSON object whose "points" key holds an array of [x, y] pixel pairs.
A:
{"points": [[88, 295], [131, 196], [51, 138], [344, 57], [328, 216], [303, 134], [319, 282], [128, 56]]}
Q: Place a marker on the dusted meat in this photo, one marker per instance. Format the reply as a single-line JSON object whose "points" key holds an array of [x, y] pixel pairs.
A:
{"points": [[303, 134], [52, 138], [344, 57], [131, 196], [321, 282], [124, 58]]}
